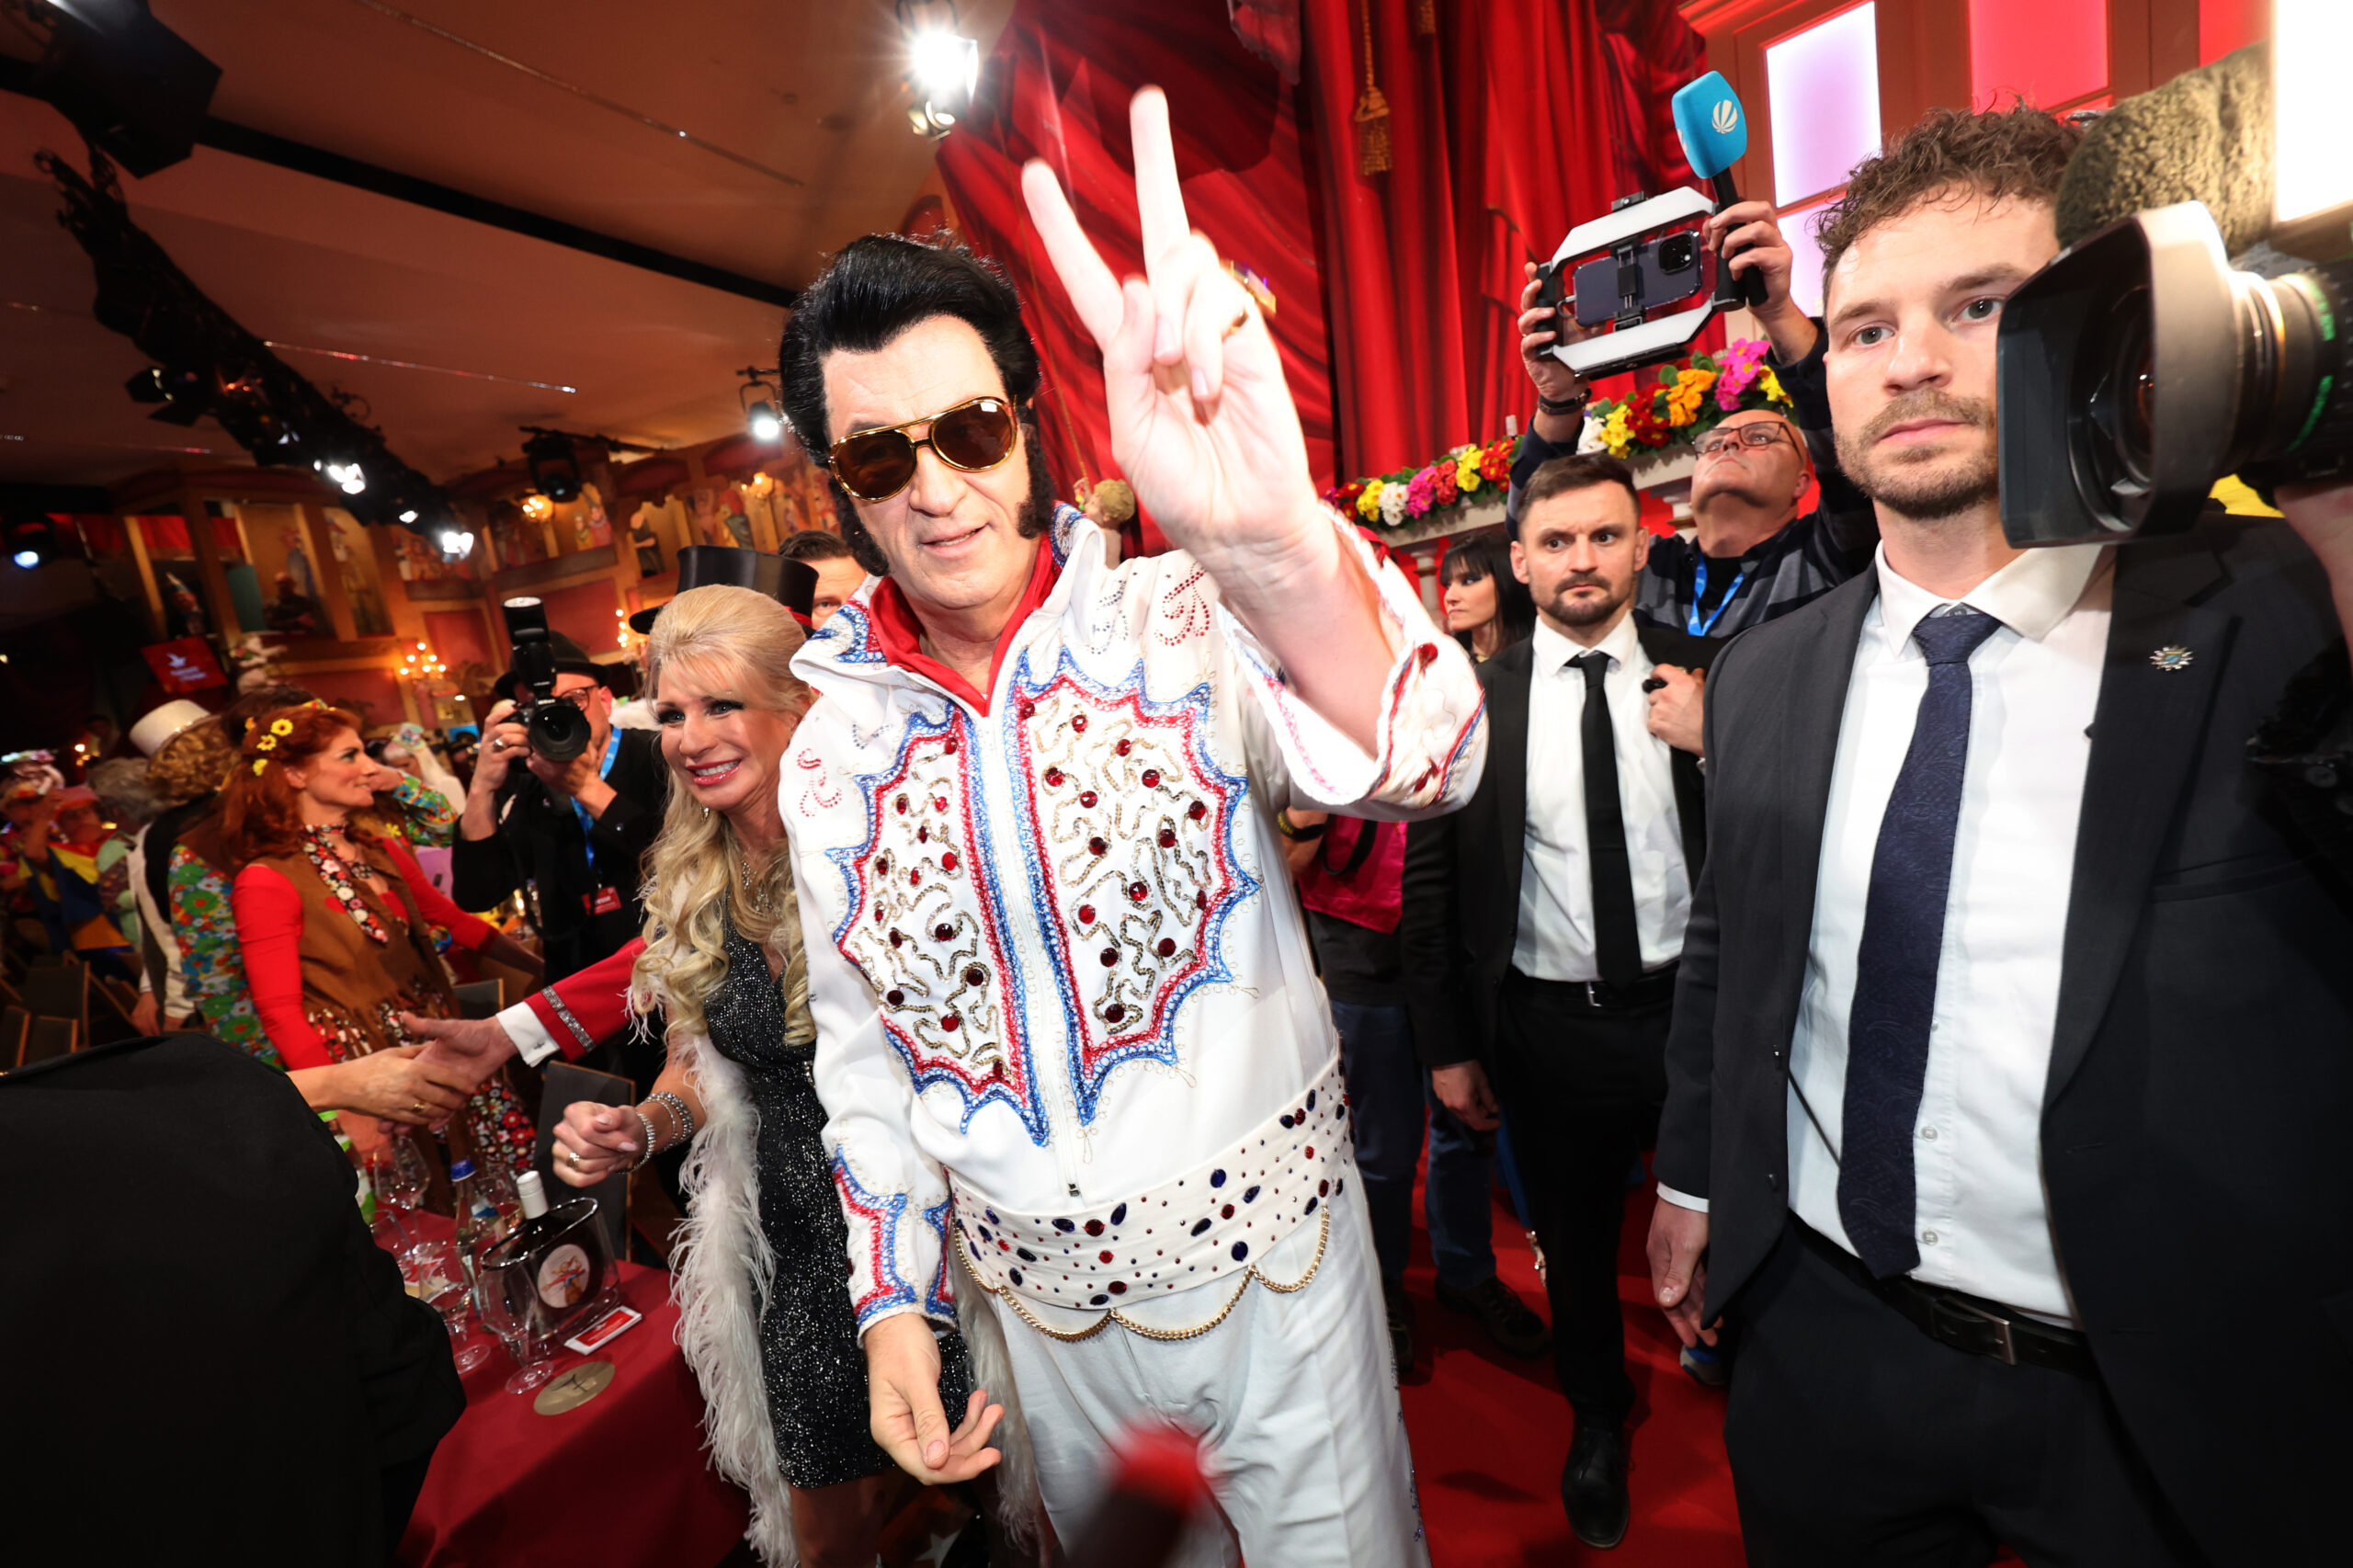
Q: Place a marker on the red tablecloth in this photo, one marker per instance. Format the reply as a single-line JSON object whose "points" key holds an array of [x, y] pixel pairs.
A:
{"points": [[618, 1481]]}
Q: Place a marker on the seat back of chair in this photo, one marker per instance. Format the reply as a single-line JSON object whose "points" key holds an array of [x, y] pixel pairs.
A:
{"points": [[51, 1037], [14, 1024], [563, 1083], [481, 998], [60, 988]]}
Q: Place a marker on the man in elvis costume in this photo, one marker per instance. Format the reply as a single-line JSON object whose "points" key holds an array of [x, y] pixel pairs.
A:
{"points": [[1083, 1087]]}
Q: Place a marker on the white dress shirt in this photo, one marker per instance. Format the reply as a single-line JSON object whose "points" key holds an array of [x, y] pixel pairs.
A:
{"points": [[1982, 1224], [1555, 940]]}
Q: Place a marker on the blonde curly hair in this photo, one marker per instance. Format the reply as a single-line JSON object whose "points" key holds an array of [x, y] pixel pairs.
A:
{"points": [[191, 764], [721, 637]]}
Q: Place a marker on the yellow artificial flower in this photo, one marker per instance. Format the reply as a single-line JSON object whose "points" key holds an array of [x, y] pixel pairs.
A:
{"points": [[1615, 436], [282, 727], [259, 762], [1772, 385], [1466, 473], [1368, 503], [266, 743]]}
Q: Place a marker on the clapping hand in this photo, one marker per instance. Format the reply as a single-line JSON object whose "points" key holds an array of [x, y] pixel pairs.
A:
{"points": [[1202, 420]]}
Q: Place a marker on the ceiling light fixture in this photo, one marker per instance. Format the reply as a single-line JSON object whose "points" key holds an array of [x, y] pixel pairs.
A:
{"points": [[760, 413], [943, 66]]}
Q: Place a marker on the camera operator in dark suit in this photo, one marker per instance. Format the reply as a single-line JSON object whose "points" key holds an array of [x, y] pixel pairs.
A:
{"points": [[1542, 926], [2013, 1041], [575, 830]]}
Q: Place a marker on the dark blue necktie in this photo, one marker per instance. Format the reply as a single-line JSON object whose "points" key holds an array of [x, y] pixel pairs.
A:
{"points": [[1904, 930]]}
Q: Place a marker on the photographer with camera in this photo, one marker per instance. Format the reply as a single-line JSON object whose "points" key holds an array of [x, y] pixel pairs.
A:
{"points": [[2011, 1035], [1752, 556], [575, 826]]}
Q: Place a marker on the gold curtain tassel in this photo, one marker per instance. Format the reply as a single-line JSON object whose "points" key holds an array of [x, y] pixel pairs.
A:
{"points": [[1372, 113], [1425, 18]]}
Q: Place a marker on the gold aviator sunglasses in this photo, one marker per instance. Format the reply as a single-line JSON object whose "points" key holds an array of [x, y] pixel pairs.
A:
{"points": [[972, 438]]}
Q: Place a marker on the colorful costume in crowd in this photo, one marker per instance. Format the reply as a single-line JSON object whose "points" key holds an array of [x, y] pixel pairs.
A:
{"points": [[331, 963], [1083, 1086]]}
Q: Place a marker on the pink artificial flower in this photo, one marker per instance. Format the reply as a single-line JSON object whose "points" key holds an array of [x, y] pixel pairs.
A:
{"points": [[1419, 494]]}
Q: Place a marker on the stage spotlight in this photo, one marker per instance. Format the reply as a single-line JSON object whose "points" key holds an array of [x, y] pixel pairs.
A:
{"points": [[456, 543], [943, 66], [555, 468], [409, 516], [30, 541], [766, 424]]}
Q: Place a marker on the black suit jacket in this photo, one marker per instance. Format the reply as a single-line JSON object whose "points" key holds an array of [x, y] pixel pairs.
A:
{"points": [[540, 838], [2194, 1123], [205, 1346], [1461, 878]]}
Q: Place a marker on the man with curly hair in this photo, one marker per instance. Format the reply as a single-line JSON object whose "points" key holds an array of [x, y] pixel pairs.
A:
{"points": [[2010, 1036]]}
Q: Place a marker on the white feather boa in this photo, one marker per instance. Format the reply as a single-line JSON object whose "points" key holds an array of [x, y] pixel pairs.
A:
{"points": [[720, 1276]]}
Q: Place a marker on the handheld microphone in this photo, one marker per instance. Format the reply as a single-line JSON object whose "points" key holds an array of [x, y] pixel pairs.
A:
{"points": [[1714, 132]]}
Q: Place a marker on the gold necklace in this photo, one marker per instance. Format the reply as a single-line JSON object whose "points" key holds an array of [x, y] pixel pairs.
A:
{"points": [[752, 892]]}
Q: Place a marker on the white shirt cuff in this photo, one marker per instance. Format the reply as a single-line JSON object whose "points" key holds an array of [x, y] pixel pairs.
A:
{"points": [[1683, 1200], [532, 1041]]}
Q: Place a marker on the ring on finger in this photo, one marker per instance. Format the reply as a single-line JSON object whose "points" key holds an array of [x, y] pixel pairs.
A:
{"points": [[574, 1156], [1254, 283], [417, 1106]]}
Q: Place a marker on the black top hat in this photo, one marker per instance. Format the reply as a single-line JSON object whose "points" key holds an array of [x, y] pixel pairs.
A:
{"points": [[792, 584]]}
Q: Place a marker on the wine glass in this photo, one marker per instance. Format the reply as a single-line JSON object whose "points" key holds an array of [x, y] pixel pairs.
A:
{"points": [[442, 1285], [392, 1232], [507, 1294]]}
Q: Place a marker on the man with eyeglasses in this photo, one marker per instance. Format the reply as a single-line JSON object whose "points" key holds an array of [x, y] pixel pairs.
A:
{"points": [[1083, 1090], [1750, 556], [574, 831]]}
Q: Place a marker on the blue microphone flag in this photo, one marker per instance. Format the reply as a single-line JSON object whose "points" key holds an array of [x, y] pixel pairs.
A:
{"points": [[1708, 118]]}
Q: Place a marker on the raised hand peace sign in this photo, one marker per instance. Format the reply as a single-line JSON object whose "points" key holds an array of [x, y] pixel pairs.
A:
{"points": [[1201, 421]]}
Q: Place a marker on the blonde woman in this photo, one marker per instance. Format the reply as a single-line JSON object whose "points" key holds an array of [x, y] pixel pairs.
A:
{"points": [[722, 963]]}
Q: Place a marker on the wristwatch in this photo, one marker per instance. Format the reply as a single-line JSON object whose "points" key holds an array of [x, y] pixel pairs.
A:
{"points": [[1565, 405]]}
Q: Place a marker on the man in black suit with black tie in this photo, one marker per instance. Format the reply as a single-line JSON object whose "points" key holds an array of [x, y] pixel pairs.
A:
{"points": [[1541, 925], [2012, 1044]]}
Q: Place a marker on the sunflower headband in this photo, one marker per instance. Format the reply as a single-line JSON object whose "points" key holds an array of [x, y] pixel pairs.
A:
{"points": [[279, 730]]}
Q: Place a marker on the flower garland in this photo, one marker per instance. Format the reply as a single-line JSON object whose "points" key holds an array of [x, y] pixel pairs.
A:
{"points": [[1688, 401], [1410, 495], [342, 884]]}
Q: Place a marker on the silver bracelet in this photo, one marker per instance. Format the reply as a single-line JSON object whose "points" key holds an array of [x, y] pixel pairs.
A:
{"points": [[645, 1152], [679, 1113]]}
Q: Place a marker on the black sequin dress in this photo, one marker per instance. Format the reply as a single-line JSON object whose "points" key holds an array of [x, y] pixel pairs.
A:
{"points": [[809, 1359]]}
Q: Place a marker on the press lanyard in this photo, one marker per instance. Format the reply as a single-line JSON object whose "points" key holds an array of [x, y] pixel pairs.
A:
{"points": [[1692, 623], [612, 750]]}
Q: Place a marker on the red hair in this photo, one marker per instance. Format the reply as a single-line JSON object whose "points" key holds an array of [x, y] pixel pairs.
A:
{"points": [[260, 816]]}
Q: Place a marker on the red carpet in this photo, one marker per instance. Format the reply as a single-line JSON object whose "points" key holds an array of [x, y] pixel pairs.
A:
{"points": [[1490, 1432]]}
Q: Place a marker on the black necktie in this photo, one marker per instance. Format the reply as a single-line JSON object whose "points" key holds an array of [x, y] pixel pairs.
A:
{"points": [[1617, 939], [1896, 964]]}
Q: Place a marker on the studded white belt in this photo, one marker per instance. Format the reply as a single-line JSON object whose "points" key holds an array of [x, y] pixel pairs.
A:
{"points": [[1205, 1227]]}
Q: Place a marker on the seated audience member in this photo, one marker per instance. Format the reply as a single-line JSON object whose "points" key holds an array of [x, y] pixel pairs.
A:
{"points": [[334, 921], [2012, 1032], [838, 573], [63, 848], [1542, 926], [1486, 608], [294, 612], [1751, 556], [209, 1358]]}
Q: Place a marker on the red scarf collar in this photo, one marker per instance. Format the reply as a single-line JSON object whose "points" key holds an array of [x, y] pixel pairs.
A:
{"points": [[898, 634]]}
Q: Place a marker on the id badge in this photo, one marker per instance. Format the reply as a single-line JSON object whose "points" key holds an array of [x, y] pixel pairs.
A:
{"points": [[605, 901]]}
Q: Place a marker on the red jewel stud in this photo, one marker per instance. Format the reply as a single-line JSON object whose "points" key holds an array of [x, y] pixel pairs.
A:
{"points": [[1168, 838], [1200, 900], [1138, 891], [974, 974], [1053, 776], [1121, 748], [914, 878], [896, 997], [943, 931], [1086, 914], [1427, 653], [1078, 722], [1102, 1258], [940, 805], [948, 861], [949, 745], [1087, 798], [1118, 1287], [902, 803], [1116, 1013], [1197, 810], [1029, 709], [1110, 956], [1152, 778], [1167, 948], [896, 936], [923, 835], [1098, 846], [950, 1021]]}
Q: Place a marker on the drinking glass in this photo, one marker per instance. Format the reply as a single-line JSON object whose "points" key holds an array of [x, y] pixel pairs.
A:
{"points": [[442, 1285], [507, 1294]]}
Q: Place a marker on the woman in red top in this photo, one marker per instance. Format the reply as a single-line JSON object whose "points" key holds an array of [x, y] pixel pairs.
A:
{"points": [[338, 924]]}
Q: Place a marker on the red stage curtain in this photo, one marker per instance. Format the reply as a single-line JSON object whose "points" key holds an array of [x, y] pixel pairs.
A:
{"points": [[1398, 290]]}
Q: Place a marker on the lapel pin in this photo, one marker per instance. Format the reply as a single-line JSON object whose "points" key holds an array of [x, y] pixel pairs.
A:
{"points": [[2171, 657]]}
